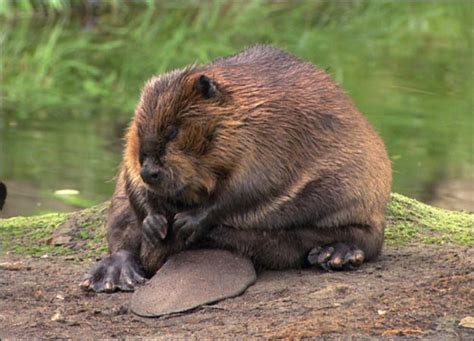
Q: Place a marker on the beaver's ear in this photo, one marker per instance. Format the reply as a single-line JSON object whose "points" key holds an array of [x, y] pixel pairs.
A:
{"points": [[207, 87]]}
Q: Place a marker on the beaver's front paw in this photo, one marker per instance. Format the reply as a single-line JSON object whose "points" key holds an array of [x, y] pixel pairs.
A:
{"points": [[189, 227], [155, 228], [119, 271]]}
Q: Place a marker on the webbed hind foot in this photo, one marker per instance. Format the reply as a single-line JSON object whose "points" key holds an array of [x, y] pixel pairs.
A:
{"points": [[337, 256]]}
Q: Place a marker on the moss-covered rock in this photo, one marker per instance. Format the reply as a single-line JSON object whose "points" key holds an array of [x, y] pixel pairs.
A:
{"points": [[82, 232], [409, 221], [56, 233]]}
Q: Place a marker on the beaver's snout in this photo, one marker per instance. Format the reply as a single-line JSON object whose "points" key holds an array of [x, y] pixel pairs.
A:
{"points": [[151, 174]]}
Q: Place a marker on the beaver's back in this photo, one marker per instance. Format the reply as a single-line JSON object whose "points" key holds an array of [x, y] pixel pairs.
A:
{"points": [[277, 93], [304, 135]]}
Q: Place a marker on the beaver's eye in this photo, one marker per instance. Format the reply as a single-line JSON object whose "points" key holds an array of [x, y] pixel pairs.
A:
{"points": [[142, 157], [171, 133]]}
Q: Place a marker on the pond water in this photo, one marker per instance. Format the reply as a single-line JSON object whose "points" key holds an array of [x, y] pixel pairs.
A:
{"points": [[69, 87]]}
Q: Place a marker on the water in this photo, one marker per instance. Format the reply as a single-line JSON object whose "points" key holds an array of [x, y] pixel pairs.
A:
{"points": [[69, 88], [40, 157]]}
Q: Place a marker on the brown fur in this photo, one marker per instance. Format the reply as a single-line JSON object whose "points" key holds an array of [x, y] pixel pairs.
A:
{"points": [[278, 158]]}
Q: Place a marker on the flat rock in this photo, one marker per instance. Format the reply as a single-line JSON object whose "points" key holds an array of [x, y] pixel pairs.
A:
{"points": [[193, 278]]}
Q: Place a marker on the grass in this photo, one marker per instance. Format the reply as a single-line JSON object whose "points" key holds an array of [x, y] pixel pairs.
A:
{"points": [[62, 66], [409, 221]]}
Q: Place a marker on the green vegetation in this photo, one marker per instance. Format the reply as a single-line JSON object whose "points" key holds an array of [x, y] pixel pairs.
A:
{"points": [[412, 221], [11, 8], [409, 221], [68, 67], [56, 233]]}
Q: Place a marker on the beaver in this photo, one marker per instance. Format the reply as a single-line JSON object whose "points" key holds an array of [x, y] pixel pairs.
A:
{"points": [[259, 153]]}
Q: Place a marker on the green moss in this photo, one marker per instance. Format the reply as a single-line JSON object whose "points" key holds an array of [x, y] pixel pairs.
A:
{"points": [[82, 232], [412, 221], [16, 233], [57, 234]]}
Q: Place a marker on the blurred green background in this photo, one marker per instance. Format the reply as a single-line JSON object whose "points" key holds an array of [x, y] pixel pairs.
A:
{"points": [[72, 70]]}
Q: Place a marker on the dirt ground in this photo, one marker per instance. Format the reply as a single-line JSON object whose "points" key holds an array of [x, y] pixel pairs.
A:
{"points": [[411, 292]]}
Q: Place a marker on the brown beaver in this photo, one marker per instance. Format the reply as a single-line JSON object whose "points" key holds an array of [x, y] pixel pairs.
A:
{"points": [[259, 153]]}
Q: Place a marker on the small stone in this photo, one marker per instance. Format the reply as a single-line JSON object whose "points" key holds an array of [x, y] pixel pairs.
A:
{"points": [[57, 317], [467, 322], [122, 310], [381, 312], [39, 294]]}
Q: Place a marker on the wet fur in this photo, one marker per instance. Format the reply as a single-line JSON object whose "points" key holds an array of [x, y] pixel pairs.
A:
{"points": [[278, 154]]}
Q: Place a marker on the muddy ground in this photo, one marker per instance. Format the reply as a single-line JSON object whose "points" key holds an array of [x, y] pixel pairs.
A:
{"points": [[411, 292]]}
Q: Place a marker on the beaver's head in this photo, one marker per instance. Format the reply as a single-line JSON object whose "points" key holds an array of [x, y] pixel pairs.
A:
{"points": [[173, 143]]}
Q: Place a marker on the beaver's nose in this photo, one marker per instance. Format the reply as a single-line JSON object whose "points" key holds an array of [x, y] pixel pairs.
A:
{"points": [[150, 176]]}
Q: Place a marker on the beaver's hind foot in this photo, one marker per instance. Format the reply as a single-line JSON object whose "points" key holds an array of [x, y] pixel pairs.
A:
{"points": [[336, 256]]}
